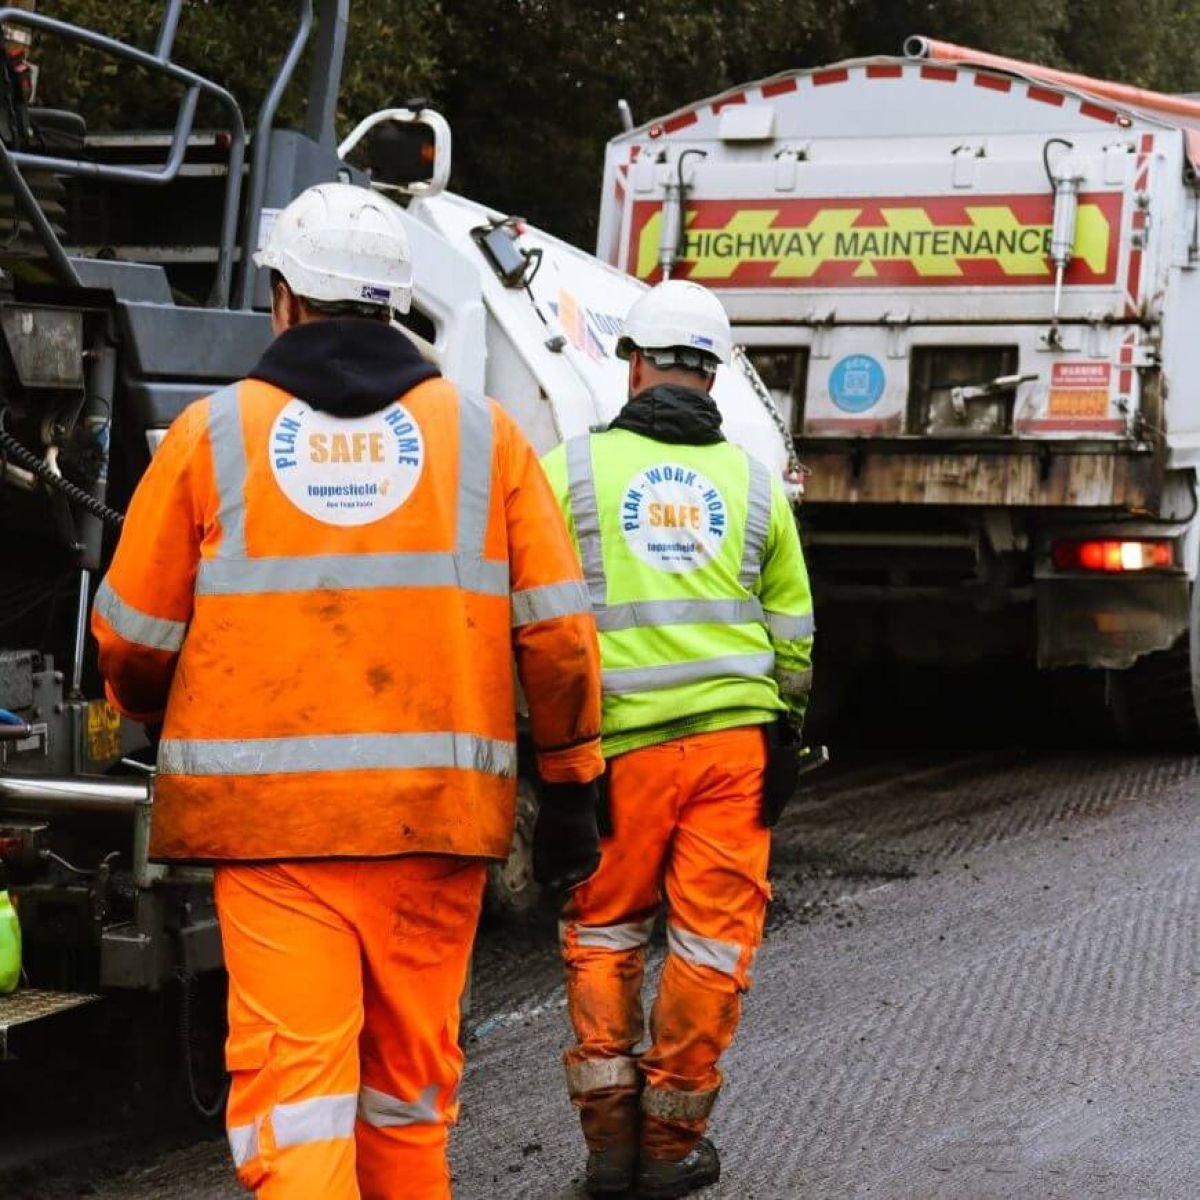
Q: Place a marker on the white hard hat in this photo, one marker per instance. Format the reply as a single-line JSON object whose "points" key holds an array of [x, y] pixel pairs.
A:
{"points": [[678, 315], [338, 242]]}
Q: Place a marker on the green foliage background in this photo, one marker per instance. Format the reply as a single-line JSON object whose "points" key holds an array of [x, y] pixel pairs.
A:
{"points": [[530, 86]]}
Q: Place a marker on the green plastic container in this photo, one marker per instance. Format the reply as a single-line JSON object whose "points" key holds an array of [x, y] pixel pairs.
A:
{"points": [[10, 941]]}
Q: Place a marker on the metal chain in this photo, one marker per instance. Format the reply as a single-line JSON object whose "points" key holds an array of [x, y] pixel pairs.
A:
{"points": [[767, 401]]}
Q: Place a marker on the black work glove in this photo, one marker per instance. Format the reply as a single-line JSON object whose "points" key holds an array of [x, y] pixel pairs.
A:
{"points": [[566, 844], [781, 777], [604, 801]]}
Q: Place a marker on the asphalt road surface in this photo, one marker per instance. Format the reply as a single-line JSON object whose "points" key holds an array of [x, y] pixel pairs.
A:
{"points": [[981, 979]]}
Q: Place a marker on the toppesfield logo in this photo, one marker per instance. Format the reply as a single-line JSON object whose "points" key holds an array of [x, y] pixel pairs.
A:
{"points": [[673, 518], [346, 471]]}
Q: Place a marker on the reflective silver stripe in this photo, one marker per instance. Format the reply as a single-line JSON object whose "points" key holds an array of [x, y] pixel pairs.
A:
{"points": [[704, 951], [133, 625], [243, 1143], [329, 572], [668, 1104], [619, 681], [595, 1073], [318, 1120], [382, 1110], [229, 469], [474, 472], [550, 601], [336, 752], [631, 935], [788, 628], [794, 683], [657, 613], [758, 523], [585, 511]]}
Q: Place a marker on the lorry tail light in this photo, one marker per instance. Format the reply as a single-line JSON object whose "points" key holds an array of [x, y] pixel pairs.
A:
{"points": [[1111, 555]]}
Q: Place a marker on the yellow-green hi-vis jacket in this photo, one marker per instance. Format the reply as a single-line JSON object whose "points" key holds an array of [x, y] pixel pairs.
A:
{"points": [[693, 564]]}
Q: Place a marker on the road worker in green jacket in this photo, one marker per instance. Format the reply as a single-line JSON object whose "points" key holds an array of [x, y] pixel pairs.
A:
{"points": [[694, 568]]}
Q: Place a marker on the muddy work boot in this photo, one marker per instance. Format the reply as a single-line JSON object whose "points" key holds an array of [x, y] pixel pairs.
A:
{"points": [[610, 1118], [610, 1172], [699, 1168]]}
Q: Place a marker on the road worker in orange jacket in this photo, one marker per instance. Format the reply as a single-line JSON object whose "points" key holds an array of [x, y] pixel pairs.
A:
{"points": [[694, 568], [318, 591]]}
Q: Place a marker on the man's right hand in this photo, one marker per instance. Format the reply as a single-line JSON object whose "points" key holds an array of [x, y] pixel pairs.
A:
{"points": [[566, 843], [787, 762]]}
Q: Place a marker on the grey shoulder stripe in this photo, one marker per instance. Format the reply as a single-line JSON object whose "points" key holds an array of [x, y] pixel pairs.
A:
{"points": [[758, 522], [475, 437], [585, 509], [229, 469]]}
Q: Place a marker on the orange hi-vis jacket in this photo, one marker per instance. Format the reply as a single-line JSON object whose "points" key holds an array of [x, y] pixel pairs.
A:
{"points": [[334, 649]]}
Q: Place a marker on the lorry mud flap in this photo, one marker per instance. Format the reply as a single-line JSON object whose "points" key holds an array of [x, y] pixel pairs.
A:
{"points": [[1108, 622]]}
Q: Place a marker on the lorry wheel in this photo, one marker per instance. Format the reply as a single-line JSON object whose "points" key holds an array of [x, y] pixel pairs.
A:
{"points": [[1156, 703], [511, 889]]}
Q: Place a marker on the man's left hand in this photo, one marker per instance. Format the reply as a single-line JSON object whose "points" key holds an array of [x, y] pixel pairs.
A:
{"points": [[566, 843]]}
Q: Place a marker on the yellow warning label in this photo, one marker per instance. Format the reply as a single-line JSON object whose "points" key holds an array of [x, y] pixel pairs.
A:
{"points": [[1078, 402], [103, 730]]}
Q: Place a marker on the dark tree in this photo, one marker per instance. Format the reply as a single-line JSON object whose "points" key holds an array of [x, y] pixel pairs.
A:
{"points": [[531, 86]]}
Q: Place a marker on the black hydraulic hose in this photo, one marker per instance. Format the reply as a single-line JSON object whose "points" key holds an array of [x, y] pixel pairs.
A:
{"points": [[11, 448], [1054, 141], [681, 241], [187, 1046]]}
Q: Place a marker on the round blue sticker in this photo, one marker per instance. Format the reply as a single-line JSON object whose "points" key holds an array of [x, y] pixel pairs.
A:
{"points": [[856, 383]]}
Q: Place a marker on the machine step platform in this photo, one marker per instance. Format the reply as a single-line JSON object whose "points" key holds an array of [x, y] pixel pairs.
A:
{"points": [[26, 1005]]}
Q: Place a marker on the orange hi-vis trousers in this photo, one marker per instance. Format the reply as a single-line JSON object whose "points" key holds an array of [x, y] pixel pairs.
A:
{"points": [[344, 987], [686, 818]]}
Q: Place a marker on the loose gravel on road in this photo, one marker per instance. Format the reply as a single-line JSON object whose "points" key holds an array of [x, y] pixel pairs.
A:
{"points": [[981, 982]]}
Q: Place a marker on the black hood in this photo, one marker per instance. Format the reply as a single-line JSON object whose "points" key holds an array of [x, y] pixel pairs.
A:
{"points": [[668, 413], [347, 367]]}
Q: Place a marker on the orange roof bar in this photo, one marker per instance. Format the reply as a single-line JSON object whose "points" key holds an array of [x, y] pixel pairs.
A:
{"points": [[1120, 93]]}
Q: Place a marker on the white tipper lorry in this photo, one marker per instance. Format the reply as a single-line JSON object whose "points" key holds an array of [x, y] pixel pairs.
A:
{"points": [[973, 285]]}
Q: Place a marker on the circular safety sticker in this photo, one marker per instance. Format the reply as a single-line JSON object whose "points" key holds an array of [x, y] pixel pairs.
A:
{"points": [[673, 518], [856, 383], [346, 471]]}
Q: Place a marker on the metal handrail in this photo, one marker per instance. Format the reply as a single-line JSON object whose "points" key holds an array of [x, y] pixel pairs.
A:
{"points": [[27, 201], [166, 32], [94, 170], [259, 163], [10, 162]]}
